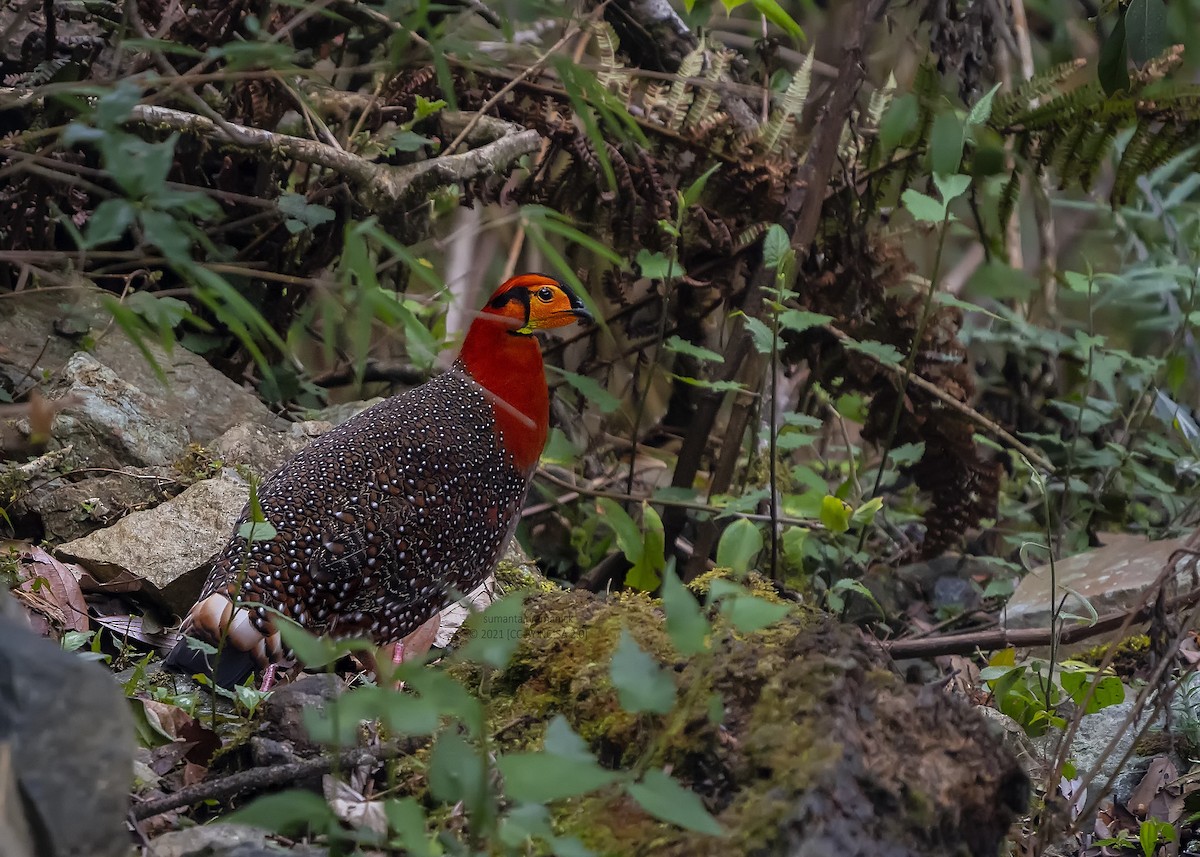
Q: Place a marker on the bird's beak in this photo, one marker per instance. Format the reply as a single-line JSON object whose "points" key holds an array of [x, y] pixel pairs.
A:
{"points": [[578, 310]]}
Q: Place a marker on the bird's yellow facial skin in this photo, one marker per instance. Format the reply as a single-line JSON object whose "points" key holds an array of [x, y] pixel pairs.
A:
{"points": [[536, 302]]}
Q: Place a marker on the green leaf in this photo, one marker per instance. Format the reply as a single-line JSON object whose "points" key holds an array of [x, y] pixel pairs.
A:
{"points": [[644, 575], [167, 234], [667, 800], [982, 109], [749, 613], [739, 545], [880, 351], [108, 223], [543, 777], [760, 333], [642, 685], [946, 143], [257, 531], [310, 650], [692, 195], [406, 819], [923, 208], [953, 186], [1146, 32], [835, 514], [457, 772], [590, 389], [776, 245], [114, 106], [866, 513], [495, 632], [802, 320], [656, 266], [682, 346], [775, 13], [899, 121], [629, 535], [686, 624], [408, 141], [999, 281], [291, 813], [1113, 65], [308, 214]]}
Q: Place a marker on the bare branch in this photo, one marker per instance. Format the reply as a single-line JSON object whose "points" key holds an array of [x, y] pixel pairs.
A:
{"points": [[383, 187]]}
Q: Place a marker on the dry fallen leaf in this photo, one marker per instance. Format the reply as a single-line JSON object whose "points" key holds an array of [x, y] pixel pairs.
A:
{"points": [[50, 589]]}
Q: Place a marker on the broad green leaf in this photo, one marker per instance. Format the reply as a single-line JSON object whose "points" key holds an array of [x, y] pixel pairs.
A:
{"points": [[167, 234], [835, 514], [407, 821], [899, 121], [629, 535], [656, 266], [761, 334], [108, 223], [999, 281], [1112, 67], [1146, 30], [951, 187], [293, 812], [946, 143], [682, 346], [458, 772], [775, 13], [495, 632], [739, 545], [776, 244], [645, 574], [642, 685], [257, 531], [882, 352], [667, 800], [749, 613], [310, 650], [802, 320], [866, 513], [543, 777], [686, 624], [923, 208]]}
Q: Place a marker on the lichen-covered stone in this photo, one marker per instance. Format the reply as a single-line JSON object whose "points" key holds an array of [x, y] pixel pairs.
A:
{"points": [[820, 750]]}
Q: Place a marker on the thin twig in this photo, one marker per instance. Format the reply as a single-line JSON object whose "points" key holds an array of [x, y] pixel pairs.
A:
{"points": [[261, 779]]}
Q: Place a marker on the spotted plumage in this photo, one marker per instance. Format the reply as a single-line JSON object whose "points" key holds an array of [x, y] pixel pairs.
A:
{"points": [[380, 521]]}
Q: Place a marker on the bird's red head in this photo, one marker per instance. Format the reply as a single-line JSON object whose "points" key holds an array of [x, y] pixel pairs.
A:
{"points": [[502, 354], [530, 302]]}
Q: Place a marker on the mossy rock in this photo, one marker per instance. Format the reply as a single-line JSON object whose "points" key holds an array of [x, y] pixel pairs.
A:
{"points": [[820, 749]]}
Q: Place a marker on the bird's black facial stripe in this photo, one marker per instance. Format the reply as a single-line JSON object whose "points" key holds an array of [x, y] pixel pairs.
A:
{"points": [[521, 296]]}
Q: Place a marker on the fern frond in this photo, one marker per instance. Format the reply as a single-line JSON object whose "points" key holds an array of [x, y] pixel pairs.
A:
{"points": [[1009, 104], [679, 97], [791, 104], [749, 236], [607, 44], [707, 98], [881, 99]]}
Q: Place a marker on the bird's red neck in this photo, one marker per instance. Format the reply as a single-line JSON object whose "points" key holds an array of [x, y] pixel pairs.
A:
{"points": [[509, 368]]}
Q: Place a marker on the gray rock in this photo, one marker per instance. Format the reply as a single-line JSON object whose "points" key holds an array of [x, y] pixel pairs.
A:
{"points": [[71, 510], [225, 840], [1112, 577], [284, 713], [112, 423], [70, 736], [54, 327], [262, 449], [167, 547]]}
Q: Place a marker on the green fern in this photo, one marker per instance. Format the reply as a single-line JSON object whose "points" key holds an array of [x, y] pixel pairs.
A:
{"points": [[790, 105], [707, 98], [679, 98]]}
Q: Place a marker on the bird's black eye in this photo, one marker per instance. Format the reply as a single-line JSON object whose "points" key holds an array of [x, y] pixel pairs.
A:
{"points": [[545, 294]]}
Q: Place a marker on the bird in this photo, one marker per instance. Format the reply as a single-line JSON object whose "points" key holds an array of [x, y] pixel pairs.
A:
{"points": [[376, 525]]}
